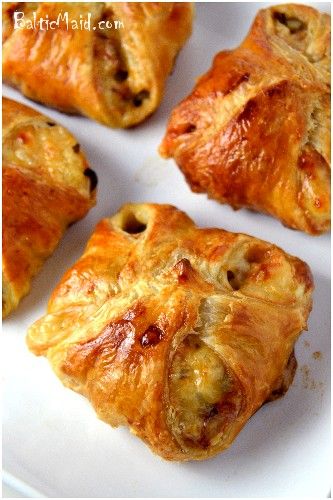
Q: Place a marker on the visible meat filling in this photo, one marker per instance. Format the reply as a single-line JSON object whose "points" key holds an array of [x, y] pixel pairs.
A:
{"points": [[112, 73], [202, 395]]}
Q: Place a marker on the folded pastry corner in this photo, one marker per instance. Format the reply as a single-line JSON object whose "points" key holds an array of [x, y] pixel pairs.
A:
{"points": [[255, 131], [113, 72], [46, 185], [178, 332]]}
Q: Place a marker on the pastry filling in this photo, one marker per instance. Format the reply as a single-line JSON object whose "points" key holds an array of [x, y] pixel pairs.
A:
{"points": [[292, 30], [202, 396], [112, 70], [36, 148]]}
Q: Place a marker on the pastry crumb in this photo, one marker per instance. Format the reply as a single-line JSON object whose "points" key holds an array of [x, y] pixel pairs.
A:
{"points": [[308, 381]]}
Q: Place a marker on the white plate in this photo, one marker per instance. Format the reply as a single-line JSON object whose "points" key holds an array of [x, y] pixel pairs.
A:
{"points": [[52, 440]]}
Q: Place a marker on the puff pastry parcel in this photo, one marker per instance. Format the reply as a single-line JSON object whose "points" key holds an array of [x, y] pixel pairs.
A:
{"points": [[255, 131], [46, 185], [178, 332], [114, 75]]}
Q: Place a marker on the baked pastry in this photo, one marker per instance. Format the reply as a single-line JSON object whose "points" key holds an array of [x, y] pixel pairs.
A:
{"points": [[46, 185], [115, 76], [178, 332], [255, 131]]}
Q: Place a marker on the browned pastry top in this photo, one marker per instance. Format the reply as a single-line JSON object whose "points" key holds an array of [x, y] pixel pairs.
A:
{"points": [[46, 186], [116, 75], [255, 131], [178, 332]]}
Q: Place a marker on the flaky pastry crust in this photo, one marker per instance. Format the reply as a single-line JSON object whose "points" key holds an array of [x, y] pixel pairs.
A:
{"points": [[178, 332], [46, 185], [115, 76], [255, 131]]}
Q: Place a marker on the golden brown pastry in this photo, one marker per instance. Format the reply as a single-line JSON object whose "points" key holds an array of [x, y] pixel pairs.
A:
{"points": [[115, 76], [46, 185], [178, 332], [255, 131]]}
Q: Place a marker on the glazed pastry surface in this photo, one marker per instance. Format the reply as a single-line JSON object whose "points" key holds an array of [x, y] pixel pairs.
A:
{"points": [[255, 131], [178, 332], [114, 76], [46, 185]]}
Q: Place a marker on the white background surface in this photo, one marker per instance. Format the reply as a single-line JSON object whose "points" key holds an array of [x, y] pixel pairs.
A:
{"points": [[52, 439]]}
